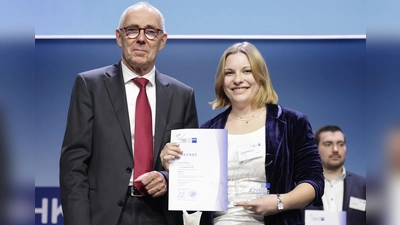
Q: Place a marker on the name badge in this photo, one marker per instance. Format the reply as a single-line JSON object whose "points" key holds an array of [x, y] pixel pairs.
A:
{"points": [[250, 151], [357, 203], [321, 217]]}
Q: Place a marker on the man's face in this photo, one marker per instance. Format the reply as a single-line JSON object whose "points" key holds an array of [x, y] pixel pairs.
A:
{"points": [[332, 148], [139, 54]]}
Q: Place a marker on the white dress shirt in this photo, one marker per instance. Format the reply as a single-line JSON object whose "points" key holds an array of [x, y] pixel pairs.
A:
{"points": [[132, 91], [333, 195]]}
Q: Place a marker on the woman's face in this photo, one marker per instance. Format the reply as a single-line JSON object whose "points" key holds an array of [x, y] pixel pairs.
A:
{"points": [[239, 83]]}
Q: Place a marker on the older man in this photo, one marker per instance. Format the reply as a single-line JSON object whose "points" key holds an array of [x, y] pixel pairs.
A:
{"points": [[120, 117]]}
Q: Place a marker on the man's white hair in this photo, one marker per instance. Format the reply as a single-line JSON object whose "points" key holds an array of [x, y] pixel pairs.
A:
{"points": [[142, 5]]}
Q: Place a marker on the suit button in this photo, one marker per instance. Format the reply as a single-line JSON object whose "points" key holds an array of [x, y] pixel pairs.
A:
{"points": [[120, 203], [128, 170]]}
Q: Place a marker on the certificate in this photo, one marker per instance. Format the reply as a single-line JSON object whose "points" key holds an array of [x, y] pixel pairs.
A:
{"points": [[198, 179]]}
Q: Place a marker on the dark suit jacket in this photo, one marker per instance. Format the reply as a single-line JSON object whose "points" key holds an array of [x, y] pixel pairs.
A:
{"points": [[96, 157], [354, 186], [290, 138]]}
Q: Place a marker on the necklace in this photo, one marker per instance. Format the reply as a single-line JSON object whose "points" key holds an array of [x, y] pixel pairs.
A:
{"points": [[243, 118]]}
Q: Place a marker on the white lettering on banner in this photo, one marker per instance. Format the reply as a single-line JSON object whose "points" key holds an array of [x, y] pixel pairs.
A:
{"points": [[56, 210], [44, 210]]}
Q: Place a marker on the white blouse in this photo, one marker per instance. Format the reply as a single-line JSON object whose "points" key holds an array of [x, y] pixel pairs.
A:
{"points": [[246, 177]]}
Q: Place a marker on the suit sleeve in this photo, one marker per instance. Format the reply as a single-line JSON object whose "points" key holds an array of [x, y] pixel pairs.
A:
{"points": [[76, 155], [308, 167]]}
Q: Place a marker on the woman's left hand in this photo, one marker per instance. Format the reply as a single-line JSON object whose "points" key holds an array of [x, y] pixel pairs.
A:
{"points": [[170, 152], [265, 205]]}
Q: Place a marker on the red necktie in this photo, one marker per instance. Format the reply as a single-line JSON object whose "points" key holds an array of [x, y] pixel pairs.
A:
{"points": [[143, 147]]}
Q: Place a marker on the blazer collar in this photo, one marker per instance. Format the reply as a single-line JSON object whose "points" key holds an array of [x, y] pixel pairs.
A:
{"points": [[116, 90], [348, 185], [275, 128], [163, 98], [274, 111]]}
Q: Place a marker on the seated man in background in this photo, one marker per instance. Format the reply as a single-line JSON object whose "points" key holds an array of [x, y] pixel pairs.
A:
{"points": [[344, 191]]}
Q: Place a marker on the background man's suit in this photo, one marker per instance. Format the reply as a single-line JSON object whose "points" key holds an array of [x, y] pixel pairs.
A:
{"points": [[354, 186], [96, 161]]}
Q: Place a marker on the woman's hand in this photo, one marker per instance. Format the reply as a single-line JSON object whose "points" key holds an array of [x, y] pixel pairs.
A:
{"points": [[265, 205], [302, 195], [170, 152]]}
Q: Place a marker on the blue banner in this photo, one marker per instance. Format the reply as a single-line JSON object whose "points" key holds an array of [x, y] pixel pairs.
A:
{"points": [[48, 206]]}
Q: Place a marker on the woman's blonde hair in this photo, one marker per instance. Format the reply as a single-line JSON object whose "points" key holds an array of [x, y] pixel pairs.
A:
{"points": [[266, 93]]}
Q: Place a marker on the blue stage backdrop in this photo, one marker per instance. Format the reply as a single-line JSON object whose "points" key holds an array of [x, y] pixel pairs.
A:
{"points": [[325, 79], [307, 17]]}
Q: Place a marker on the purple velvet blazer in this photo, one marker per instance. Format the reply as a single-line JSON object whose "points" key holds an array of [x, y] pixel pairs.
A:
{"points": [[290, 138]]}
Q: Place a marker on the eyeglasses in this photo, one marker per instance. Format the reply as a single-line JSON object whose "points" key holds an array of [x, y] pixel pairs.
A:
{"points": [[149, 32]]}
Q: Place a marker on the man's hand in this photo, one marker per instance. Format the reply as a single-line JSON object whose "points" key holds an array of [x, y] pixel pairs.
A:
{"points": [[154, 183]]}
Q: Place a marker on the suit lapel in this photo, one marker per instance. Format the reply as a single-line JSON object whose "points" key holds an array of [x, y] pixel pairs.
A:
{"points": [[348, 183], [116, 91], [274, 130], [163, 103]]}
